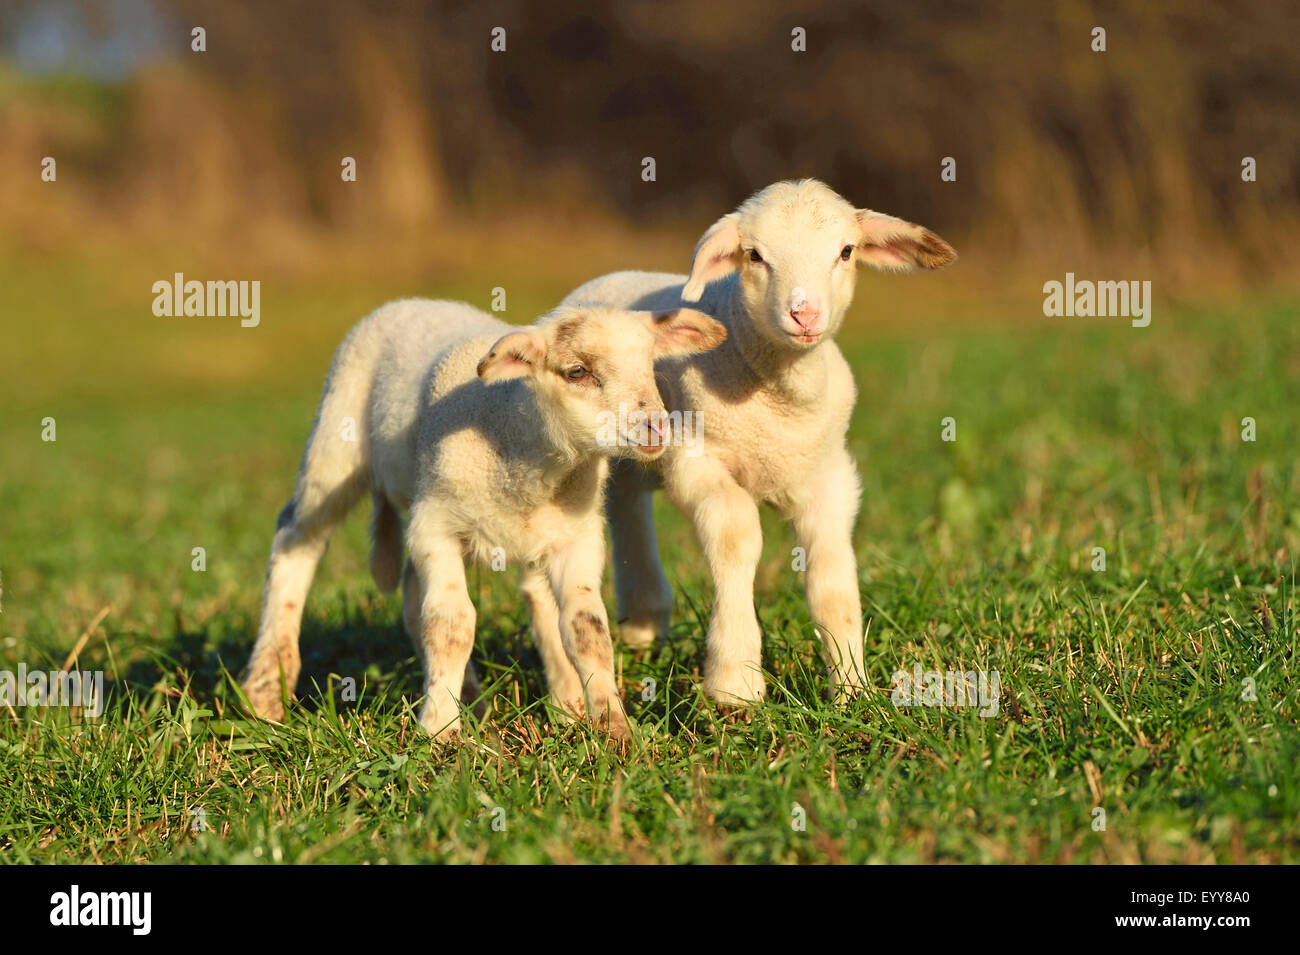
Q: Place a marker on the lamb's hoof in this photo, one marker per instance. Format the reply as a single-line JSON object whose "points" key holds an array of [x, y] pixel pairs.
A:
{"points": [[618, 735], [637, 634], [444, 727], [843, 694], [612, 721], [265, 702], [446, 735], [736, 692], [734, 712], [566, 712]]}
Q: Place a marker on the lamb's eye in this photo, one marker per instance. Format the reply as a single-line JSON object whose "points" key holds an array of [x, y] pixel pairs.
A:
{"points": [[846, 253], [576, 373], [754, 256]]}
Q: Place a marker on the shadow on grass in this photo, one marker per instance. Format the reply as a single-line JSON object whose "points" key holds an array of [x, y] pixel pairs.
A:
{"points": [[376, 654]]}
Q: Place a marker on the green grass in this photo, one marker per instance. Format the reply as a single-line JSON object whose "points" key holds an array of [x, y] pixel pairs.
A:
{"points": [[1121, 689]]}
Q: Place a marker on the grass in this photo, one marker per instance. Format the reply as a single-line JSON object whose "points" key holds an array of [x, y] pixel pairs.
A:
{"points": [[1122, 689]]}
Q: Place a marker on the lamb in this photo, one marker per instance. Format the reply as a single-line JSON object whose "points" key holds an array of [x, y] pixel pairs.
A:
{"points": [[494, 436], [773, 403]]}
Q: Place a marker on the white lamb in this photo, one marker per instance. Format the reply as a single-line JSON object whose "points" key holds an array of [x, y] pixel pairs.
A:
{"points": [[773, 406], [417, 409]]}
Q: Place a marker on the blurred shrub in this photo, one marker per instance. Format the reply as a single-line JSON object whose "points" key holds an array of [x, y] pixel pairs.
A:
{"points": [[1057, 146]]}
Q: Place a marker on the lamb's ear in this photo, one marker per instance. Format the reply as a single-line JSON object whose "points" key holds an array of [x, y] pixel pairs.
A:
{"points": [[513, 356], [716, 254], [891, 243], [683, 331]]}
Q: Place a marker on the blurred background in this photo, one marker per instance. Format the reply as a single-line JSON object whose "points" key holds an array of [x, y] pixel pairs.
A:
{"points": [[523, 169], [1060, 151]]}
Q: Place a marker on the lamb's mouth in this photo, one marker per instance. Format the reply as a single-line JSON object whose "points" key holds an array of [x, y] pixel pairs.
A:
{"points": [[805, 338], [649, 450]]}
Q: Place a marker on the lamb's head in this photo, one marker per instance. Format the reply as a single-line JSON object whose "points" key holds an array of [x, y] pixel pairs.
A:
{"points": [[796, 246], [592, 369]]}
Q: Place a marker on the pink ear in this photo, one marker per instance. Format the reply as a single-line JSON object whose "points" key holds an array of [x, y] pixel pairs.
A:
{"points": [[513, 356], [716, 254], [684, 331], [891, 243]]}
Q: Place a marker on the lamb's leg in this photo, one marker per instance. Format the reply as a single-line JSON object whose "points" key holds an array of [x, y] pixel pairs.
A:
{"points": [[645, 600], [332, 480], [385, 542], [823, 521], [561, 677], [411, 601], [273, 667], [584, 628], [726, 523], [446, 618], [470, 689]]}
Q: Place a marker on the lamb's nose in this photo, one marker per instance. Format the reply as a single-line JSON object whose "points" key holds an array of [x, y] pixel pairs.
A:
{"points": [[804, 308]]}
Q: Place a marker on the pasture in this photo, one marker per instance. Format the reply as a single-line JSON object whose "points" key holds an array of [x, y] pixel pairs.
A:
{"points": [[1124, 689]]}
